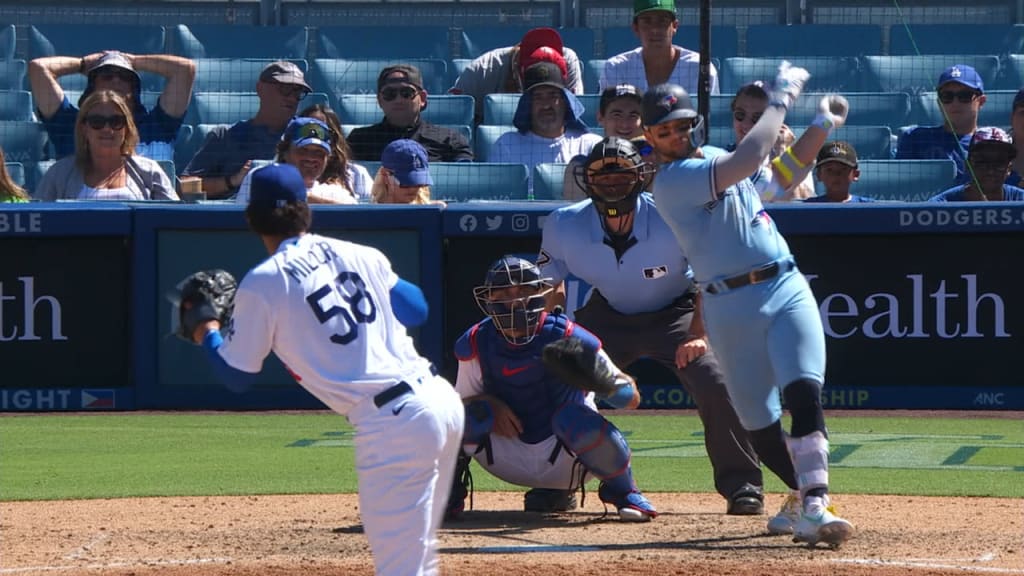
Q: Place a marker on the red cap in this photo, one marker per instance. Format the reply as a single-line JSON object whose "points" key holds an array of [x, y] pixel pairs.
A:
{"points": [[544, 54], [538, 38]]}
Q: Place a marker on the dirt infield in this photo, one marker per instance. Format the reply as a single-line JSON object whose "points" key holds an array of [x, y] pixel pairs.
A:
{"points": [[321, 535]]}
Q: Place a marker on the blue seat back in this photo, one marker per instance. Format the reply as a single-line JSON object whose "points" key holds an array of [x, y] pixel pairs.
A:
{"points": [[724, 40], [234, 74], [441, 109], [913, 74], [185, 149], [365, 42], [828, 73], [465, 181], [959, 38], [592, 70], [231, 41], [79, 40], [791, 40], [16, 170], [34, 172], [475, 40], [24, 141], [1011, 73], [485, 138], [871, 142], [16, 105], [12, 74], [231, 107], [337, 76], [996, 111], [547, 181], [906, 180], [8, 41]]}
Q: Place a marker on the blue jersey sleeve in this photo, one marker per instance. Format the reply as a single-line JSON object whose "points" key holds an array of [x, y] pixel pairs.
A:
{"points": [[465, 345]]}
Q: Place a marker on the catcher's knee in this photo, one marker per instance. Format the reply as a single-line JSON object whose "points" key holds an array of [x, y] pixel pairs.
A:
{"points": [[479, 421], [803, 398], [595, 441]]}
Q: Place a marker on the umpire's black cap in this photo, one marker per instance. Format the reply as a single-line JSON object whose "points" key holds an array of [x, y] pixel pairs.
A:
{"points": [[666, 102]]}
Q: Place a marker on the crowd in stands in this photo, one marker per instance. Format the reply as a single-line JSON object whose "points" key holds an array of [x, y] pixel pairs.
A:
{"points": [[108, 145]]}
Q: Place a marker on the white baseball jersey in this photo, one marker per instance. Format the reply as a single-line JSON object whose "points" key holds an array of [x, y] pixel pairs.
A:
{"points": [[323, 306]]}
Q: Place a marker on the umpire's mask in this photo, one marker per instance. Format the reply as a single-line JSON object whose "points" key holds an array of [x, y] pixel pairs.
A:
{"points": [[513, 295], [613, 175]]}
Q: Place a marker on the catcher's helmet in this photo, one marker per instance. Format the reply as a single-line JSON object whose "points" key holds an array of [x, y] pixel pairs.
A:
{"points": [[517, 312]]}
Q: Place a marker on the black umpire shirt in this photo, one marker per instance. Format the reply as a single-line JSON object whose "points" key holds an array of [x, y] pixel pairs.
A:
{"points": [[442, 144]]}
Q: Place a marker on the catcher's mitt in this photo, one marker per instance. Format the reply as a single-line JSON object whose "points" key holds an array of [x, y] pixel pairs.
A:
{"points": [[205, 295], [577, 366]]}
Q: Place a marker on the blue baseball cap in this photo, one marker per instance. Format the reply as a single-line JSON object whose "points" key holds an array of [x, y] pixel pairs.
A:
{"points": [[276, 185], [962, 74], [407, 160], [302, 131]]}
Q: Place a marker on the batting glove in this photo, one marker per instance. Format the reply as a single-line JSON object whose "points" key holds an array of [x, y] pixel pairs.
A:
{"points": [[832, 111], [787, 86]]}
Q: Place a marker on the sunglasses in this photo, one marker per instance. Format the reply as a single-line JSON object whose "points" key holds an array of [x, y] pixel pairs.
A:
{"points": [[312, 131], [107, 76], [964, 96], [97, 121], [407, 93], [289, 90], [741, 115]]}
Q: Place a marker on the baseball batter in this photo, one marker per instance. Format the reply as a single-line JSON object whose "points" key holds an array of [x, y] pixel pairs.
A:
{"points": [[526, 426], [335, 313], [759, 312]]}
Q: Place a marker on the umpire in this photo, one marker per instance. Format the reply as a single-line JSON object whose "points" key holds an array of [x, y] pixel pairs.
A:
{"points": [[645, 303]]}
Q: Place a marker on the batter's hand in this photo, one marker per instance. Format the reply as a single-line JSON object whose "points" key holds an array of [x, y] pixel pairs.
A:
{"points": [[788, 84], [834, 108], [689, 351], [506, 423]]}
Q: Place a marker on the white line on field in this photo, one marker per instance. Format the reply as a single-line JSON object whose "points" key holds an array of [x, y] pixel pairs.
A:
{"points": [[87, 547], [930, 565], [114, 565]]}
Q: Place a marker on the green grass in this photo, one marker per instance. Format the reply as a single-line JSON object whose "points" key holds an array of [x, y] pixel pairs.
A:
{"points": [[120, 455]]}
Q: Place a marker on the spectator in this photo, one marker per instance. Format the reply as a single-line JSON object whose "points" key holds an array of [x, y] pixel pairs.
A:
{"points": [[340, 168], [401, 96], [10, 192], [228, 152], [619, 115], [988, 162], [404, 175], [837, 170], [961, 94], [307, 145], [500, 71], [657, 59], [105, 166], [1017, 134], [548, 123], [117, 71]]}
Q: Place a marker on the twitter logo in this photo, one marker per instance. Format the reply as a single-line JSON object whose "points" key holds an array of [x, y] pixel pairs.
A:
{"points": [[493, 223]]}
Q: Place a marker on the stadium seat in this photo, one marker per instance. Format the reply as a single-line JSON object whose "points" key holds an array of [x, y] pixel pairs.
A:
{"points": [[486, 136], [547, 181], [892, 109], [149, 99], [12, 75], [16, 170], [996, 111], [16, 105], [465, 181], [24, 141], [81, 40], [1011, 76], [475, 40], [871, 142], [168, 166], [365, 42], [724, 40], [915, 74], [457, 66], [338, 76], [828, 73], [182, 140], [233, 74], [7, 42], [442, 109], [592, 70], [906, 180], [231, 107], [778, 40], [958, 38], [233, 41], [186, 148], [34, 173]]}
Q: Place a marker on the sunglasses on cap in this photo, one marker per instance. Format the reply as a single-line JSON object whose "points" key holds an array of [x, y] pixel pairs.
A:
{"points": [[97, 121], [312, 130], [406, 92], [964, 96]]}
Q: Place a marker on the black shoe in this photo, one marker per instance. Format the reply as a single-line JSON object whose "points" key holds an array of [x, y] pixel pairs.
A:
{"points": [[747, 501], [549, 500], [462, 486]]}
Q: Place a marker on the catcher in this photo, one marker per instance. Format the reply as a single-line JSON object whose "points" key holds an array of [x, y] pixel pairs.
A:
{"points": [[528, 381]]}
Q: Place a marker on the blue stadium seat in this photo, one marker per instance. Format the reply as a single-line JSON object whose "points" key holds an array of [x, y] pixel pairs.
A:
{"points": [[24, 141], [465, 130], [457, 66], [7, 42], [915, 74], [16, 170], [234, 74], [475, 40], [365, 42], [906, 180], [995, 112], [12, 75], [231, 107], [149, 99], [182, 141], [828, 73], [724, 40], [442, 109], [337, 76], [592, 70], [486, 136], [1011, 75], [465, 181], [871, 142], [959, 38], [81, 40], [547, 181], [890, 109], [775, 40], [231, 41], [168, 166], [16, 105], [34, 173], [186, 148]]}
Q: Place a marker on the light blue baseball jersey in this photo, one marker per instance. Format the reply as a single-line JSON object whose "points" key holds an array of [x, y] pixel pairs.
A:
{"points": [[648, 276], [723, 234]]}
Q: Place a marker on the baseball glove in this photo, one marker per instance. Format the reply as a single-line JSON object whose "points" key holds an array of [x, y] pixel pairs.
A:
{"points": [[577, 366], [205, 295]]}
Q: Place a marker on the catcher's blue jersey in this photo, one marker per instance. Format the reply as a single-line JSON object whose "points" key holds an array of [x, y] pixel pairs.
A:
{"points": [[722, 234], [516, 374]]}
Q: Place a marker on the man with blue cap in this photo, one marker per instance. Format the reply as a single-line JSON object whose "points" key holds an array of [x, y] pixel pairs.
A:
{"points": [[335, 313]]}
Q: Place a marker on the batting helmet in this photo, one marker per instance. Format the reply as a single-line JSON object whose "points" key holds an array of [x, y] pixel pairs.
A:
{"points": [[613, 175], [667, 102], [513, 295]]}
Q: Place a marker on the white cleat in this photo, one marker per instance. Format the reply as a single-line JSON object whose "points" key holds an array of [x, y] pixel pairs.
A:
{"points": [[824, 527], [787, 517]]}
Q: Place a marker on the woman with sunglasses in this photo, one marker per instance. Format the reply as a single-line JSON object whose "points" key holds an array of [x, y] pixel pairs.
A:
{"points": [[340, 170], [105, 165]]}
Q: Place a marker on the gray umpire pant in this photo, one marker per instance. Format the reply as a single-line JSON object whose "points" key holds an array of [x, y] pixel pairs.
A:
{"points": [[657, 335]]}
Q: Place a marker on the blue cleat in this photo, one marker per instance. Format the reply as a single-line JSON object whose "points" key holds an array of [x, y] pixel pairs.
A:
{"points": [[632, 506]]}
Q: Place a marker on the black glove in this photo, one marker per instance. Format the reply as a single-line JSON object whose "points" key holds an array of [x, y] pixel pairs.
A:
{"points": [[577, 366], [205, 295]]}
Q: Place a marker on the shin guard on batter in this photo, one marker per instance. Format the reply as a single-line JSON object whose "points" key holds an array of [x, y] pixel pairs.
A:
{"points": [[810, 459], [597, 443]]}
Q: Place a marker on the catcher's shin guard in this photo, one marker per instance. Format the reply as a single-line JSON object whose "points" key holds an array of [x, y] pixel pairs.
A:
{"points": [[597, 443]]}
